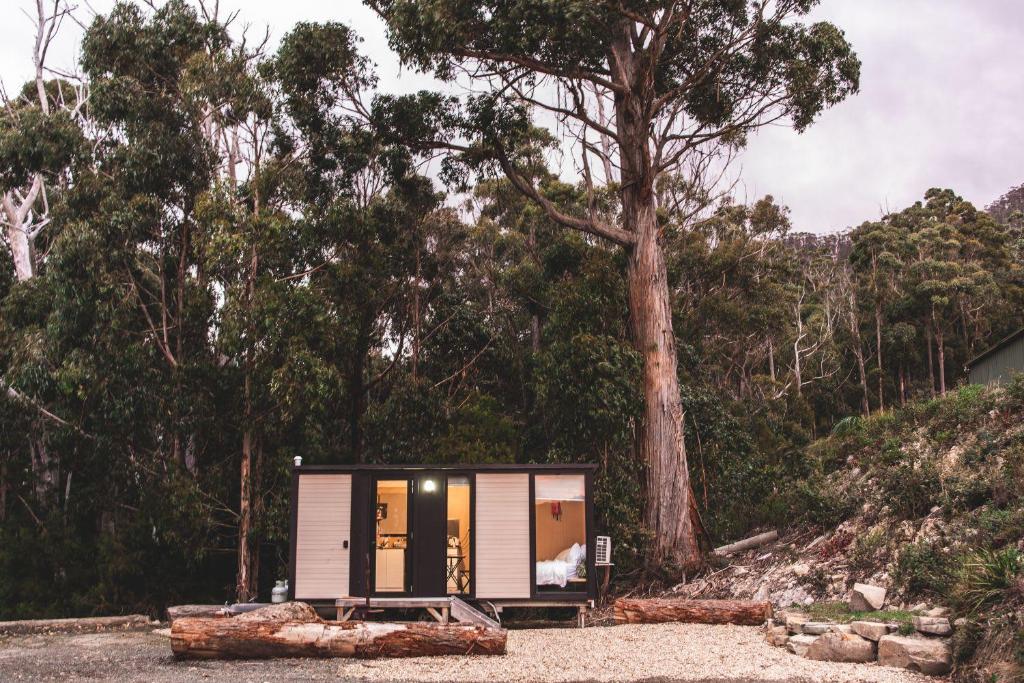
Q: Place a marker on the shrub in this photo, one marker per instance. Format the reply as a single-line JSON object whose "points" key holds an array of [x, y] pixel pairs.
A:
{"points": [[925, 569], [989, 577], [910, 489], [848, 426], [1015, 391], [998, 527], [813, 501], [864, 555]]}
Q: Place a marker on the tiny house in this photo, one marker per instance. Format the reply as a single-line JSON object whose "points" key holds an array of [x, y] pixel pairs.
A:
{"points": [[506, 534]]}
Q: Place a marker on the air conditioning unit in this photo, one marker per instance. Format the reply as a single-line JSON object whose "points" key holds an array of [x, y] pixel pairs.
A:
{"points": [[603, 552]]}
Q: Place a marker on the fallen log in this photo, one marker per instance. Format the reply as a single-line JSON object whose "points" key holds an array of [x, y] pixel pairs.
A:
{"points": [[748, 543], [92, 624], [664, 610], [295, 630], [178, 611]]}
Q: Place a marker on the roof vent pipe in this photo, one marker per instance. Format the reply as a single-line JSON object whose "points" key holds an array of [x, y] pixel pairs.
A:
{"points": [[298, 461]]}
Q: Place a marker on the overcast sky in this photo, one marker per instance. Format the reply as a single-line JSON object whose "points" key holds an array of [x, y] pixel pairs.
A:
{"points": [[941, 102]]}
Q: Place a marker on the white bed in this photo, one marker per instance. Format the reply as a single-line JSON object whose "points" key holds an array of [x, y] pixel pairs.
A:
{"points": [[559, 571]]}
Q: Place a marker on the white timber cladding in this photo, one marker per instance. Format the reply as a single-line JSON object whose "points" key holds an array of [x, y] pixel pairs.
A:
{"points": [[324, 524], [502, 536]]}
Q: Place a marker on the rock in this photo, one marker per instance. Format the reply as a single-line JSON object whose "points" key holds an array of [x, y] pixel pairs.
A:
{"points": [[841, 647], [933, 626], [865, 598], [937, 612], [960, 623], [872, 630], [925, 655], [164, 632], [795, 623], [816, 628], [777, 636], [919, 607], [798, 644], [801, 569]]}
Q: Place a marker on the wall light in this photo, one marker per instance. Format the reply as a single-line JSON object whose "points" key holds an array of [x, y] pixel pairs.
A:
{"points": [[429, 485]]}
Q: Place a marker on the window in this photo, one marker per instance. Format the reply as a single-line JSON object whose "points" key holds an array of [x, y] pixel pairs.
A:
{"points": [[457, 569], [561, 532]]}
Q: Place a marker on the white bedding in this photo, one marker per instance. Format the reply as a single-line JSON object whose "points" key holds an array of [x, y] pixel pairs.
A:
{"points": [[555, 573], [558, 572]]}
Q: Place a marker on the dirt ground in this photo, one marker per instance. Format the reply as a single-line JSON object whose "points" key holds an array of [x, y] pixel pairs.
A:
{"points": [[649, 653]]}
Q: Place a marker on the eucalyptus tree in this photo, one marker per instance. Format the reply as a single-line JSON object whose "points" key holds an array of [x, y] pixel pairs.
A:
{"points": [[41, 138], [39, 135], [646, 88]]}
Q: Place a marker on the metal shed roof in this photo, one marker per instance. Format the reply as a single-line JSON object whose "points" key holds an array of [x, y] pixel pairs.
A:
{"points": [[996, 348]]}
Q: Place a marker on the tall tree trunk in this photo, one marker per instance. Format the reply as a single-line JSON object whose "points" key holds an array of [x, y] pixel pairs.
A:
{"points": [[931, 361], [797, 370], [357, 407], [858, 350], [416, 323], [940, 344], [670, 497], [878, 349], [245, 583], [671, 513], [903, 386]]}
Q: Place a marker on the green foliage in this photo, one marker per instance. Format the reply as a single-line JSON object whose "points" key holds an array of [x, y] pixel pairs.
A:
{"points": [[988, 577], [925, 569], [840, 612], [847, 427]]}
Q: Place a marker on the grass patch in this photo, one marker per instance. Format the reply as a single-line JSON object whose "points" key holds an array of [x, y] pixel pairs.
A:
{"points": [[841, 613]]}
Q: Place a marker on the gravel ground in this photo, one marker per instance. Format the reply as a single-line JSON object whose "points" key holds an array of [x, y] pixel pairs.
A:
{"points": [[649, 653]]}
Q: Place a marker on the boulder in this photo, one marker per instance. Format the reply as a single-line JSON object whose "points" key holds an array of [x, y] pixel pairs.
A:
{"points": [[865, 598], [937, 612], [836, 646], [925, 655], [816, 628], [933, 626], [872, 630], [798, 644], [777, 636]]}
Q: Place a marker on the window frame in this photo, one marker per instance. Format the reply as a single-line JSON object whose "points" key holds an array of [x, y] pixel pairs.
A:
{"points": [[589, 533]]}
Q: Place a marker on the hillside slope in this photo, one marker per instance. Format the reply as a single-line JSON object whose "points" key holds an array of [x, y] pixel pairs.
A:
{"points": [[927, 501]]}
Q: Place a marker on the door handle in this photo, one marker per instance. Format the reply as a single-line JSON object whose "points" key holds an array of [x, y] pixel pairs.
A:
{"points": [[344, 544]]}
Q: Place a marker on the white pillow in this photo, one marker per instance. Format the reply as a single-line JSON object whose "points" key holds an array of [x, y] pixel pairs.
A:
{"points": [[564, 556], [576, 553]]}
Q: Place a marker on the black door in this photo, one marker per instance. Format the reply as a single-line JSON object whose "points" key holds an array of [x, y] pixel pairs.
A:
{"points": [[429, 542]]}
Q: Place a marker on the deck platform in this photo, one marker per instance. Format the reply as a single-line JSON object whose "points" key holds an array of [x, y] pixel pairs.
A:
{"points": [[442, 609]]}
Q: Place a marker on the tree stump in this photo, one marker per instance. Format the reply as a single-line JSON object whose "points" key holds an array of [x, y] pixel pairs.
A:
{"points": [[665, 610]]}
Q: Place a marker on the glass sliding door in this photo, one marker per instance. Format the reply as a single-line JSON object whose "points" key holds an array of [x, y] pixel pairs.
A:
{"points": [[560, 527], [391, 542], [459, 537]]}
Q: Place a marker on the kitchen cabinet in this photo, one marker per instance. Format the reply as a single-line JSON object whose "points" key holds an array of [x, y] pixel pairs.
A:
{"points": [[390, 570]]}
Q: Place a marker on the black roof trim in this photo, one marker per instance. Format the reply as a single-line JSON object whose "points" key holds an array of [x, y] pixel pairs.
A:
{"points": [[998, 347], [503, 467]]}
